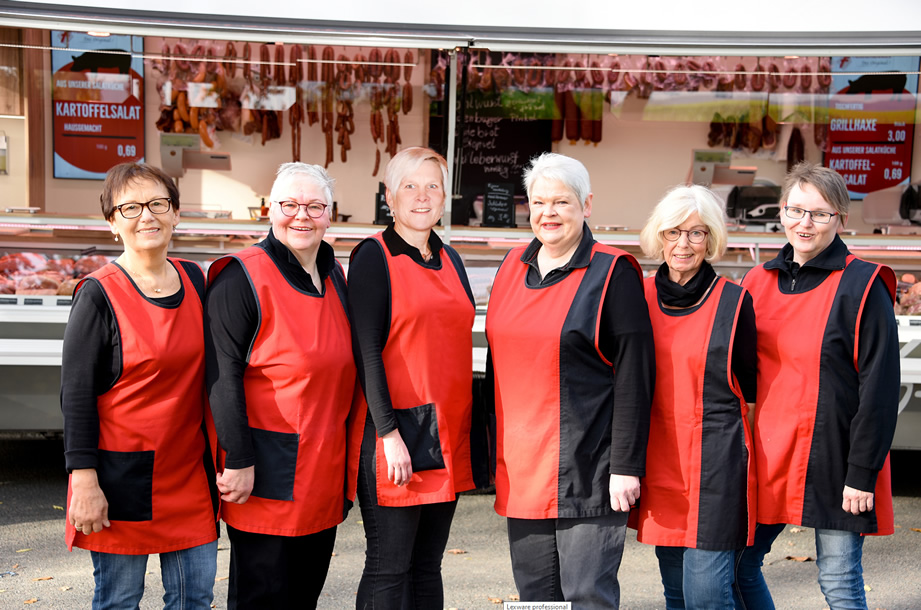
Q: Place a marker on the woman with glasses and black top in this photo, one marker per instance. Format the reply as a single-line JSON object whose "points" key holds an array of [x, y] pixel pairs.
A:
{"points": [[697, 498], [281, 379], [135, 419], [412, 313], [828, 391]]}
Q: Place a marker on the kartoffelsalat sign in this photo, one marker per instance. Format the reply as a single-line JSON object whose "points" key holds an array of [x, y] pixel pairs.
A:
{"points": [[97, 92]]}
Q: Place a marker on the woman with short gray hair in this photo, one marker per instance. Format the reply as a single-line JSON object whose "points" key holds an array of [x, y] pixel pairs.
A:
{"points": [[572, 355], [281, 379]]}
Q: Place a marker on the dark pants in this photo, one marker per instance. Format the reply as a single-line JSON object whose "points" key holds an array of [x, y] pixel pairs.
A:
{"points": [[573, 560], [405, 547], [268, 571]]}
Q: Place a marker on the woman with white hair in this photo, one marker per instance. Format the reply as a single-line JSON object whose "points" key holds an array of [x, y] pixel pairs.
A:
{"points": [[573, 359], [696, 503], [281, 379]]}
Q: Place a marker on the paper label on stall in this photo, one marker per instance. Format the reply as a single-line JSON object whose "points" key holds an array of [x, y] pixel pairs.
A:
{"points": [[273, 98], [203, 95]]}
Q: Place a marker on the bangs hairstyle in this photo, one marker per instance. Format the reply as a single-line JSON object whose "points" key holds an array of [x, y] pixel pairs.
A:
{"points": [[829, 183], [677, 205], [553, 166], [314, 173], [408, 161], [122, 176]]}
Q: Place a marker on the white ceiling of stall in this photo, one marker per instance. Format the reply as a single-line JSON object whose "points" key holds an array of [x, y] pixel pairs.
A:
{"points": [[729, 27]]}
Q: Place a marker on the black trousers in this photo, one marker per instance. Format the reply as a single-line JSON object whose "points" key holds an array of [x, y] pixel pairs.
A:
{"points": [[406, 545], [268, 571]]}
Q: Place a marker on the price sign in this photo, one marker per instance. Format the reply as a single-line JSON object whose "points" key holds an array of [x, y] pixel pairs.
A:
{"points": [[871, 121], [97, 103]]}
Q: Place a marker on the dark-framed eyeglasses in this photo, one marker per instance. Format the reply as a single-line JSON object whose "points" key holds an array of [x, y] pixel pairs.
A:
{"points": [[314, 209], [695, 236], [160, 205], [818, 216]]}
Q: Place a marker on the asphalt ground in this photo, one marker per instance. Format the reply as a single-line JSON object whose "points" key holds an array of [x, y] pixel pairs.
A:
{"points": [[36, 571]]}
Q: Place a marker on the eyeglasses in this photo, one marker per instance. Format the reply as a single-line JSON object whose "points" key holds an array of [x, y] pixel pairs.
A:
{"points": [[315, 209], [695, 236], [817, 216], [160, 205]]}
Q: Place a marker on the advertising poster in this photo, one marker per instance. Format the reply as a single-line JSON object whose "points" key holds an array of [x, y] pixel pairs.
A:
{"points": [[97, 90], [871, 113]]}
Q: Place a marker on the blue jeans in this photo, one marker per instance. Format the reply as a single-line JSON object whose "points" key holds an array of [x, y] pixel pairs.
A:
{"points": [[696, 578], [838, 557], [188, 578]]}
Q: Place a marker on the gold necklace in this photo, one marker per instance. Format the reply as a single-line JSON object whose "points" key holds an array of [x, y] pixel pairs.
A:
{"points": [[137, 278]]}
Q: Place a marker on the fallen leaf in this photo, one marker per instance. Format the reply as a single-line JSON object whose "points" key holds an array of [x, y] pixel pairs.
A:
{"points": [[795, 530], [456, 551], [495, 600], [56, 507], [65, 588], [15, 566], [221, 578], [800, 559], [23, 550], [867, 588], [333, 554], [31, 601], [513, 597], [43, 578], [915, 529]]}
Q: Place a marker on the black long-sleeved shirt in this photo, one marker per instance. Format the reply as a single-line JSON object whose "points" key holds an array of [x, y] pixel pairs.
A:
{"points": [[625, 339], [91, 363], [369, 306], [231, 324]]}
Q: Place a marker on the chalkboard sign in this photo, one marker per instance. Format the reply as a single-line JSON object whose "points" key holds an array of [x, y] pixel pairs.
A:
{"points": [[499, 205], [381, 209], [500, 137]]}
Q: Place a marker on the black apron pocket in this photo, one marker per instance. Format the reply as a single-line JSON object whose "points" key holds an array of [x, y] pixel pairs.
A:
{"points": [[276, 464], [126, 478], [419, 431]]}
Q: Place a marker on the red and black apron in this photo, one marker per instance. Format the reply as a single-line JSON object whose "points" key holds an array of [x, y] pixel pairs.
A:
{"points": [[554, 390], [299, 384], [428, 359], [152, 445], [699, 487], [807, 381]]}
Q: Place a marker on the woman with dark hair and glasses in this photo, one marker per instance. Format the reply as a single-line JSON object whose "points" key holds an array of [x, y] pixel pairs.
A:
{"points": [[135, 418], [281, 380], [828, 391], [696, 503]]}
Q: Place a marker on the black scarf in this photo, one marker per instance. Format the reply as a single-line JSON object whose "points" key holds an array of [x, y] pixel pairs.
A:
{"points": [[674, 294]]}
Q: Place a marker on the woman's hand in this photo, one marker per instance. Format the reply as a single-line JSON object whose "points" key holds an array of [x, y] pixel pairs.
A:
{"points": [[856, 501], [236, 484], [399, 466], [89, 510], [625, 491]]}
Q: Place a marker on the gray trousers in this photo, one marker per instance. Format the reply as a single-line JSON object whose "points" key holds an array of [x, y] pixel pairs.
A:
{"points": [[573, 560]]}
